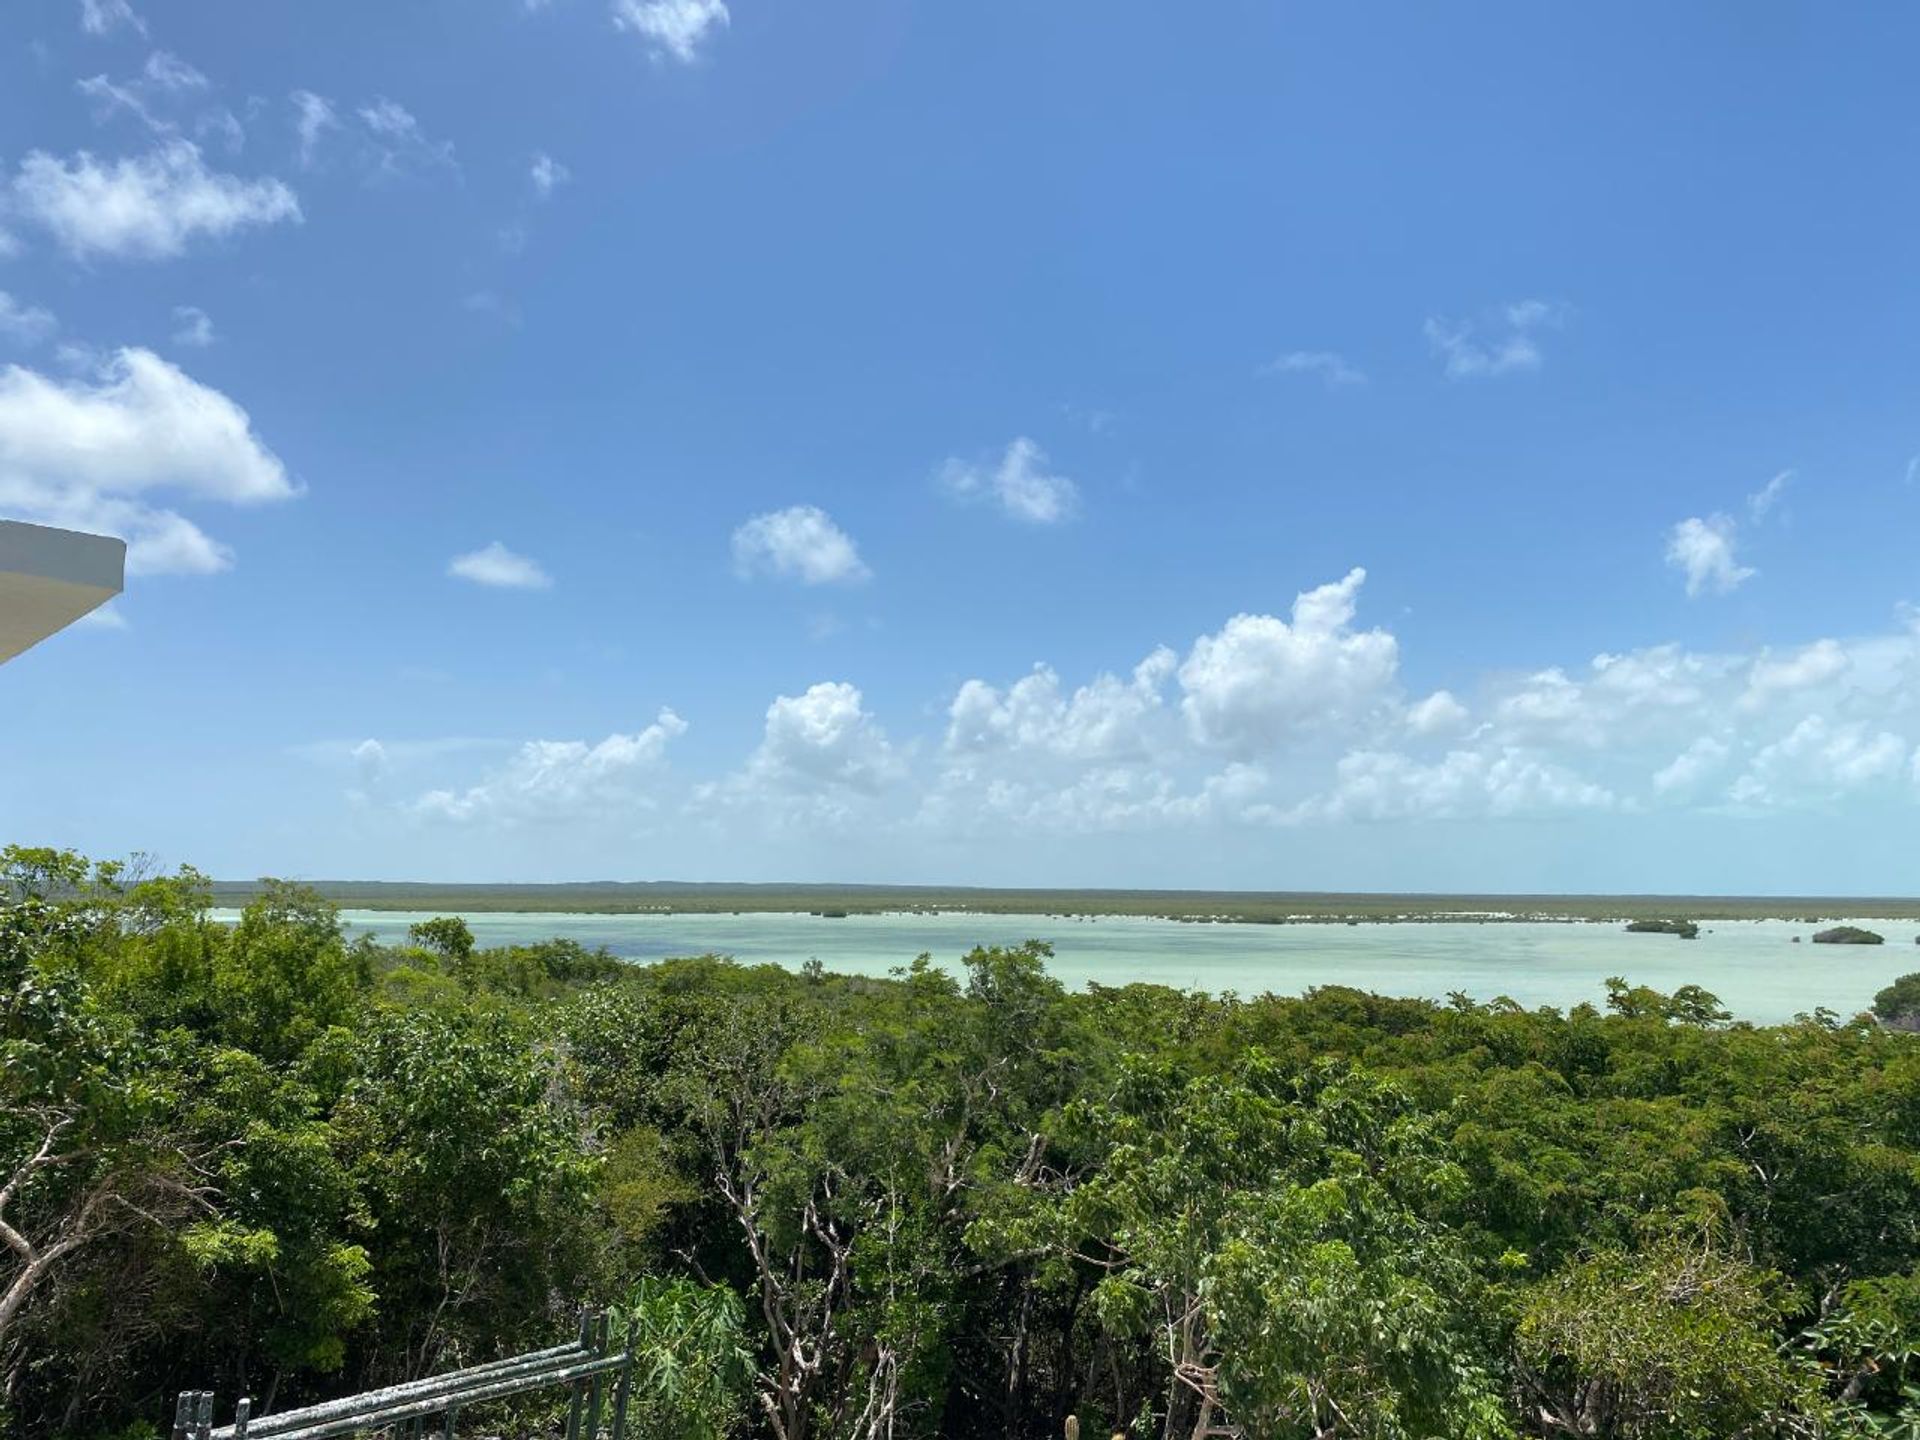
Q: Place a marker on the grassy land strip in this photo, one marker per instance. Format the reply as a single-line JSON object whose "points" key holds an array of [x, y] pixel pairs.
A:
{"points": [[1256, 907]]}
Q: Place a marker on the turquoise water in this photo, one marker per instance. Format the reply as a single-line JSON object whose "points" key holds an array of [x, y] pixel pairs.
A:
{"points": [[1753, 966]]}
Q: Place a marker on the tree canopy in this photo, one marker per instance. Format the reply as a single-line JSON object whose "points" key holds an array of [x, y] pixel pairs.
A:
{"points": [[265, 1157]]}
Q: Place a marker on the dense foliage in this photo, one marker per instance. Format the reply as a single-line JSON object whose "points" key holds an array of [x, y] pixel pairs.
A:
{"points": [[257, 1157]]}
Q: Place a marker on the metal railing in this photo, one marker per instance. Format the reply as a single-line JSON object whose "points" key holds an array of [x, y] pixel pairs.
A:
{"points": [[403, 1412]]}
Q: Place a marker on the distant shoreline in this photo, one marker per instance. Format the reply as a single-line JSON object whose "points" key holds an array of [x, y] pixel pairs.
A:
{"points": [[1191, 906]]}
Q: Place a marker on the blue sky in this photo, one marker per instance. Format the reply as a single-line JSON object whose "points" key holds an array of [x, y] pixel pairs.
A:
{"points": [[1365, 446]]}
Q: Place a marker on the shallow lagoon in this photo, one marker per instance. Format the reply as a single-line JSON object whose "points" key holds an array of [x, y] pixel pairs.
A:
{"points": [[1753, 966]]}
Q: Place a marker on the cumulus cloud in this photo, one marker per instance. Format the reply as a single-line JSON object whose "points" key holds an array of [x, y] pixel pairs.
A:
{"points": [[1692, 767], [1331, 368], [88, 453], [1300, 722], [562, 780], [24, 324], [1659, 677], [1261, 681], [1703, 551], [1464, 784], [972, 798], [1108, 719], [1549, 707], [799, 543], [148, 207], [1809, 666], [1503, 342], [496, 566], [672, 29], [1020, 483], [1436, 715], [1818, 760], [824, 737]]}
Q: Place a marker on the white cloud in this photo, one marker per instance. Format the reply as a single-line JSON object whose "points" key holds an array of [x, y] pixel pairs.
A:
{"points": [[1762, 502], [107, 97], [1294, 723], [398, 145], [148, 207], [103, 17], [24, 324], [86, 452], [164, 81], [493, 303], [1436, 715], [1019, 483], [1809, 666], [1703, 550], [496, 566], [1330, 367], [1386, 785], [167, 71], [825, 737], [1261, 682], [673, 29], [1660, 677], [313, 116], [223, 123], [799, 543], [975, 799], [107, 617], [1107, 720], [561, 780], [1691, 767], [1818, 760], [1547, 707], [547, 175], [192, 326], [1501, 343]]}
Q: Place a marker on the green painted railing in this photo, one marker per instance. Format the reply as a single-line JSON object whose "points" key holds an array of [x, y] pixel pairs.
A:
{"points": [[587, 1366]]}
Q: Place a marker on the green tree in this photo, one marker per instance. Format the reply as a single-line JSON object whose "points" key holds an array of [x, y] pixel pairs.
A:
{"points": [[692, 1364], [285, 974], [448, 936], [476, 1179], [1899, 1004], [1675, 1342], [1276, 1235]]}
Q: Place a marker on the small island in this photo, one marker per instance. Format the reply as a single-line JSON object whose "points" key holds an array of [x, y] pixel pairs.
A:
{"points": [[1685, 929], [1898, 1006], [1848, 935]]}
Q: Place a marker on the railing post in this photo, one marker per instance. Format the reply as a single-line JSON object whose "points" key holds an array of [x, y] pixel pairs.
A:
{"points": [[242, 1413], [573, 1410], [180, 1414], [446, 1427], [597, 1393], [203, 1416], [620, 1395]]}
